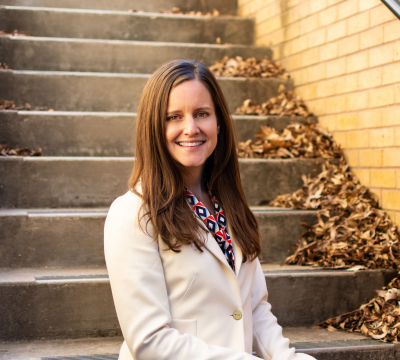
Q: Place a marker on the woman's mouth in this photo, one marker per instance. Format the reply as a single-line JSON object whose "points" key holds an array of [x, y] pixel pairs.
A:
{"points": [[190, 143]]}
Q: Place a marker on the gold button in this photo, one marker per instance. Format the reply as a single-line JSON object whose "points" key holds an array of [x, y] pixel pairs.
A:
{"points": [[237, 315]]}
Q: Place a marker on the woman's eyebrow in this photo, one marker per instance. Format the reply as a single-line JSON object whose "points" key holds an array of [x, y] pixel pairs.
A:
{"points": [[206, 107]]}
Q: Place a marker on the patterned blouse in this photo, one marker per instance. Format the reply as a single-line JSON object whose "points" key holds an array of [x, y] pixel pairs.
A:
{"points": [[217, 227]]}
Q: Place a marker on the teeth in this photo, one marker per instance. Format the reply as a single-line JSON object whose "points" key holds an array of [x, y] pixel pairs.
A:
{"points": [[190, 143]]}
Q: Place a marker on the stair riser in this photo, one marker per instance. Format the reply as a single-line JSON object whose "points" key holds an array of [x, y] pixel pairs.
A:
{"points": [[71, 310], [68, 240], [119, 57], [111, 92], [98, 134], [128, 26], [54, 182], [387, 353], [223, 6]]}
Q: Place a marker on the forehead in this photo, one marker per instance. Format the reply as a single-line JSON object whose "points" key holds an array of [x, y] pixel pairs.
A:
{"points": [[191, 93]]}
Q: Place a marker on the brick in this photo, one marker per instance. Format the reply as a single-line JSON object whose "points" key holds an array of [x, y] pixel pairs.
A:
{"points": [[380, 15], [383, 178], [341, 139], [357, 101], [352, 157], [396, 51], [381, 137], [347, 8], [391, 200], [397, 94], [273, 39], [363, 175], [338, 30], [372, 37], [300, 77], [358, 23], [381, 55], [391, 74], [381, 97], [292, 31], [337, 104], [397, 136], [317, 6], [391, 31], [301, 11], [391, 157], [398, 179], [328, 51], [357, 62], [326, 88], [269, 26], [349, 45], [310, 57], [329, 123], [307, 92], [318, 107], [317, 37], [367, 4], [336, 67], [328, 16], [358, 139], [370, 79], [347, 83], [391, 116], [299, 44], [309, 24], [347, 122], [397, 221], [333, 2], [369, 119], [293, 62], [371, 158], [316, 72]]}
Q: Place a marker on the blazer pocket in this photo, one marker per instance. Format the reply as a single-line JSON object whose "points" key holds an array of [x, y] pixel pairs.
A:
{"points": [[185, 326]]}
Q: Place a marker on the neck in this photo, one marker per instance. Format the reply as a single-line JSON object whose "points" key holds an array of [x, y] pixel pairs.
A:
{"points": [[194, 181]]}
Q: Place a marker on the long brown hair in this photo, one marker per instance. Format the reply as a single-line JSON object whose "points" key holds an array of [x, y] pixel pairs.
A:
{"points": [[162, 186]]}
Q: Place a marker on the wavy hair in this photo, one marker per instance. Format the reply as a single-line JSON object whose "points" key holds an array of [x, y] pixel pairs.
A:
{"points": [[162, 185]]}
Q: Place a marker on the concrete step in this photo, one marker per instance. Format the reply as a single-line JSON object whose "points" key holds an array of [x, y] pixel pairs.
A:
{"points": [[99, 134], [74, 237], [77, 302], [88, 91], [125, 25], [321, 344], [223, 6], [40, 182], [120, 56]]}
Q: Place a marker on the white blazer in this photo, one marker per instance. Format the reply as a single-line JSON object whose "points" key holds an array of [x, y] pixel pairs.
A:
{"points": [[180, 306]]}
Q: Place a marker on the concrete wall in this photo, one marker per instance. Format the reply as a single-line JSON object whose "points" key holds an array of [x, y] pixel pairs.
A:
{"points": [[344, 57]]}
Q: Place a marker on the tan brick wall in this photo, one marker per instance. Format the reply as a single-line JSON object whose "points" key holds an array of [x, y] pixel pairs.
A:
{"points": [[344, 58]]}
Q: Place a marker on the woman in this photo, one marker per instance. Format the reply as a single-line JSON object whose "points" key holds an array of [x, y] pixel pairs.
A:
{"points": [[181, 245]]}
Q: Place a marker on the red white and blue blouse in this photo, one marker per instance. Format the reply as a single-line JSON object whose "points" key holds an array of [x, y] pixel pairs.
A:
{"points": [[216, 225]]}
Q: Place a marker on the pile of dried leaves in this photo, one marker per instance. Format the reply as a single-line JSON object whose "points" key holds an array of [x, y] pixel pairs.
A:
{"points": [[178, 11], [10, 105], [285, 104], [306, 140], [378, 318], [7, 151], [4, 66], [14, 33], [351, 230], [237, 67]]}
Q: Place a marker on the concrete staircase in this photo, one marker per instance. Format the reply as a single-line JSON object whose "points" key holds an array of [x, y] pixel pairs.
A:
{"points": [[88, 61]]}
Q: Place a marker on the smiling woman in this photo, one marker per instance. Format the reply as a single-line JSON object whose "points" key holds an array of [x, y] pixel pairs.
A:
{"points": [[181, 245]]}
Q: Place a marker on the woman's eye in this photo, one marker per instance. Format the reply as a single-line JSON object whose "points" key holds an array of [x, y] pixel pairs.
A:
{"points": [[202, 115], [172, 117]]}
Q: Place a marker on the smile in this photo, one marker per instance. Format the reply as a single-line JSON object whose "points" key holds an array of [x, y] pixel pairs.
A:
{"points": [[194, 143]]}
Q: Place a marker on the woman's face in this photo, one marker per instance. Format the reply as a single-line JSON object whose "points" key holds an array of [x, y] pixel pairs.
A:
{"points": [[191, 130]]}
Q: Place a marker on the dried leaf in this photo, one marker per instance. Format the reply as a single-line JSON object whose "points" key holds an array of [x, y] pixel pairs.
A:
{"points": [[8, 151], [10, 105]]}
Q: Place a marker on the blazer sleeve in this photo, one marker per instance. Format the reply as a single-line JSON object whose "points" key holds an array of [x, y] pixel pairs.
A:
{"points": [[140, 294], [268, 340]]}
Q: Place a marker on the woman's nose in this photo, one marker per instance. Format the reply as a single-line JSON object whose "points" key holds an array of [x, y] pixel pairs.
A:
{"points": [[190, 126]]}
